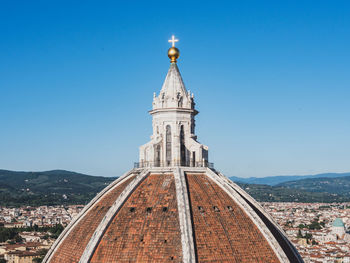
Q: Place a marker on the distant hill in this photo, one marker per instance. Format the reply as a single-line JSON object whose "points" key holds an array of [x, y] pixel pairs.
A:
{"points": [[49, 188], [59, 187], [275, 180], [322, 189], [267, 193], [337, 185]]}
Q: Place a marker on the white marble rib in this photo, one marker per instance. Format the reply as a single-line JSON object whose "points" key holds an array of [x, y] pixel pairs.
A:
{"points": [[85, 210], [100, 230], [253, 216], [260, 208], [183, 206]]}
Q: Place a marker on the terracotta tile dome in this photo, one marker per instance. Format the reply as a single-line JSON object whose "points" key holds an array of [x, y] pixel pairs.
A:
{"points": [[178, 215]]}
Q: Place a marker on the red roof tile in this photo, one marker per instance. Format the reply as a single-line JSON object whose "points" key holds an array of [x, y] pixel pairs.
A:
{"points": [[72, 247], [147, 226], [223, 231]]}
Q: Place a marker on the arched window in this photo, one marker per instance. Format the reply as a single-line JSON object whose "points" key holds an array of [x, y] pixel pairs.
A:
{"points": [[157, 156], [182, 146], [168, 145], [193, 159]]}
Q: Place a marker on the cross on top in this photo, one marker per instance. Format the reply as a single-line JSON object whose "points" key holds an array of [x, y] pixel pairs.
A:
{"points": [[173, 40]]}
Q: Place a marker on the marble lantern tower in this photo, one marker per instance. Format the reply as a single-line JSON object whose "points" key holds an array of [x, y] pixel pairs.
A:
{"points": [[173, 142]]}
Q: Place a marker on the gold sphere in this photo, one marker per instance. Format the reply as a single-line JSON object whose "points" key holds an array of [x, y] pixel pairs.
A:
{"points": [[173, 54]]}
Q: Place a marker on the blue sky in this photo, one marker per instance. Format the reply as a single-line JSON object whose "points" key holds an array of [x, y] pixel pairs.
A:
{"points": [[270, 78]]}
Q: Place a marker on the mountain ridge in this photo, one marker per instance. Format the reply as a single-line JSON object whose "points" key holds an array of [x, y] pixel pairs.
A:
{"points": [[275, 180], [335, 185], [52, 187], [62, 187]]}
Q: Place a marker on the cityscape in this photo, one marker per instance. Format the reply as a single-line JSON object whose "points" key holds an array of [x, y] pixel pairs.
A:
{"points": [[318, 230], [180, 131]]}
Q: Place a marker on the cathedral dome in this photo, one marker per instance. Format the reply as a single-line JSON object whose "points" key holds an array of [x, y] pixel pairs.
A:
{"points": [[173, 206], [338, 223], [176, 215]]}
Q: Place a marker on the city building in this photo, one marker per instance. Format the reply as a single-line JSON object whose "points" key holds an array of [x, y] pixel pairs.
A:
{"points": [[338, 228], [21, 257]]}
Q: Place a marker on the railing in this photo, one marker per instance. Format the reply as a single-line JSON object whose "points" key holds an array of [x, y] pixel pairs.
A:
{"points": [[170, 164]]}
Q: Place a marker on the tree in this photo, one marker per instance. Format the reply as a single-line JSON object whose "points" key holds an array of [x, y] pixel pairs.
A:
{"points": [[42, 253], [308, 236], [289, 223], [300, 235], [301, 226], [314, 225], [56, 230], [7, 234], [18, 238]]}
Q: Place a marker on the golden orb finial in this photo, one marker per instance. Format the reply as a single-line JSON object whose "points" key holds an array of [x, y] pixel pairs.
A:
{"points": [[173, 52]]}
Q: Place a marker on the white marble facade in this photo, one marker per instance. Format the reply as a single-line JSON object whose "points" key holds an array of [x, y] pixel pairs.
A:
{"points": [[173, 142]]}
